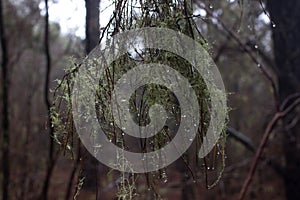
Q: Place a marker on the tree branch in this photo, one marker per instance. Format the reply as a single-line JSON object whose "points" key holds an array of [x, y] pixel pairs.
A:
{"points": [[270, 127], [245, 47], [247, 142]]}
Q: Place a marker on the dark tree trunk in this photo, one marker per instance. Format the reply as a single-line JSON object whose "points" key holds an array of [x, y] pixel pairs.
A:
{"points": [[51, 160], [5, 106], [92, 39], [286, 37], [92, 31]]}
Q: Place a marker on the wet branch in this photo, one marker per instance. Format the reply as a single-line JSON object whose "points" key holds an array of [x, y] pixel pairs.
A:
{"points": [[247, 48], [279, 115]]}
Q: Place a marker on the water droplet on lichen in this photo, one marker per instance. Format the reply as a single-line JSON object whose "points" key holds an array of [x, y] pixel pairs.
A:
{"points": [[164, 177]]}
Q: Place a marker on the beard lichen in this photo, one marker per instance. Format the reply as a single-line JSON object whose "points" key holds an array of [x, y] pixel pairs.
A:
{"points": [[176, 15]]}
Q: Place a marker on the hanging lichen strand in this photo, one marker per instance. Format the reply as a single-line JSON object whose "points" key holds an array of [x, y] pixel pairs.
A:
{"points": [[128, 15]]}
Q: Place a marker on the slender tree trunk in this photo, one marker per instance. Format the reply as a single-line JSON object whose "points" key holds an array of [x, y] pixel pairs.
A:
{"points": [[92, 39], [5, 105], [286, 37], [51, 159], [92, 30]]}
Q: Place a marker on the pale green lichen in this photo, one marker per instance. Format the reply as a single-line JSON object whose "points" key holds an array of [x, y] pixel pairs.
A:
{"points": [[61, 111]]}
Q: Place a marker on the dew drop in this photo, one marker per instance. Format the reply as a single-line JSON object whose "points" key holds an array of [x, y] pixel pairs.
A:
{"points": [[164, 177], [143, 158], [255, 46]]}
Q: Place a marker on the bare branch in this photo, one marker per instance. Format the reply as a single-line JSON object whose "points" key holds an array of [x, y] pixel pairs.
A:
{"points": [[246, 48], [247, 142], [263, 142]]}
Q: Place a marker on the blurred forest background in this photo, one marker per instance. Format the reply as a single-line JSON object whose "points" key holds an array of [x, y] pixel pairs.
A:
{"points": [[256, 46]]}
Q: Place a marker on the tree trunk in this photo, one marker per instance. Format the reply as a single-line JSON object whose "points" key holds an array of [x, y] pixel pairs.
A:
{"points": [[5, 106], [92, 30], [286, 38], [92, 39], [51, 159]]}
